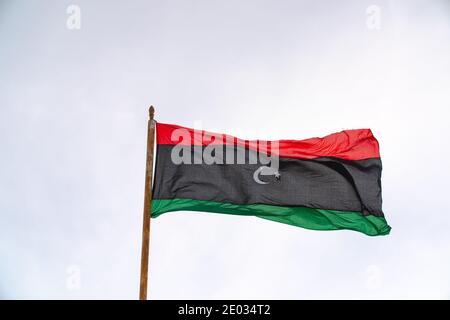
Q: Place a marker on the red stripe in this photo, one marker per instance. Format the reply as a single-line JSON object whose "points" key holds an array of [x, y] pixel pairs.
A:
{"points": [[348, 144]]}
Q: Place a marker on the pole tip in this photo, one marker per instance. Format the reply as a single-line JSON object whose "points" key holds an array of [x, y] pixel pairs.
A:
{"points": [[151, 112]]}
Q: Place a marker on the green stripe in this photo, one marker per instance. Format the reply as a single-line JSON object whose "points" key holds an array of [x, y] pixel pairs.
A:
{"points": [[315, 219]]}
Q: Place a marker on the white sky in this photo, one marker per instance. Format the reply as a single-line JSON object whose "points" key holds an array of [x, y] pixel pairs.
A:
{"points": [[73, 111]]}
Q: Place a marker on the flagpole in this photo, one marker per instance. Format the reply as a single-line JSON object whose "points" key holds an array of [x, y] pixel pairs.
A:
{"points": [[147, 206]]}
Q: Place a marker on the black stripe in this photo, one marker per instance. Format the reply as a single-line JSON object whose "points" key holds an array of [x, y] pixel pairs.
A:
{"points": [[323, 183]]}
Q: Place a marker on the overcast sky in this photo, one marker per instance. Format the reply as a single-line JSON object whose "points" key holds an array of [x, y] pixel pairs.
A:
{"points": [[73, 116]]}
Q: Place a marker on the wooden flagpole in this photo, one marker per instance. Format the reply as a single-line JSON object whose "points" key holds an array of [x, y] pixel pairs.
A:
{"points": [[147, 206]]}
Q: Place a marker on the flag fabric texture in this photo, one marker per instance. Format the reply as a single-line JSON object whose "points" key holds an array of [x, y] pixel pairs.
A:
{"points": [[328, 183]]}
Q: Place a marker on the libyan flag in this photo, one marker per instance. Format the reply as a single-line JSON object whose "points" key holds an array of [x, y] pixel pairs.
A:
{"points": [[328, 183]]}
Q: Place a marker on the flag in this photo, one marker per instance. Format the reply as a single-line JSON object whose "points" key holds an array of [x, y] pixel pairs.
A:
{"points": [[328, 183]]}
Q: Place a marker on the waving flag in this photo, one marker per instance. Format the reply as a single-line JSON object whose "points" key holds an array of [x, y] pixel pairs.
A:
{"points": [[327, 183]]}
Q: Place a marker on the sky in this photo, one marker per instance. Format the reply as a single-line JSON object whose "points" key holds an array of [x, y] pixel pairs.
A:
{"points": [[77, 78]]}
